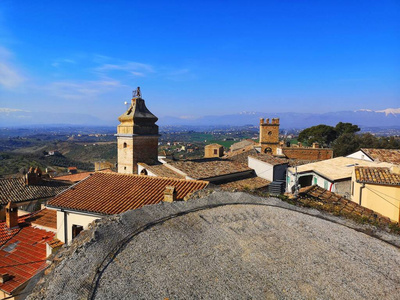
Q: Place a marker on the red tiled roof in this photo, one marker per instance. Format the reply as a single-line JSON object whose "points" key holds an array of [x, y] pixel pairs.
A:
{"points": [[15, 190], [74, 177], [272, 160], [113, 193], [23, 254], [376, 175], [383, 155]]}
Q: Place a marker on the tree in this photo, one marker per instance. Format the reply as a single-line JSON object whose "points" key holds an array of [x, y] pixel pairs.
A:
{"points": [[322, 134], [346, 144], [342, 128]]}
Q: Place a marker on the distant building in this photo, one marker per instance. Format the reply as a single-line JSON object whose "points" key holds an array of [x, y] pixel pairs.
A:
{"points": [[268, 167], [72, 170], [213, 150], [269, 136]]}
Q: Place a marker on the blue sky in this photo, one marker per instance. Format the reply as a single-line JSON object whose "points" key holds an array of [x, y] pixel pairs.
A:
{"points": [[194, 58]]}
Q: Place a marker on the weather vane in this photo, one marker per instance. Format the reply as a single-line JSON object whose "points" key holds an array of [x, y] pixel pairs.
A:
{"points": [[137, 93]]}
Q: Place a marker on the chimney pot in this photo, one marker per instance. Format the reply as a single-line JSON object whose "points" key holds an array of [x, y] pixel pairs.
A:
{"points": [[169, 194]]}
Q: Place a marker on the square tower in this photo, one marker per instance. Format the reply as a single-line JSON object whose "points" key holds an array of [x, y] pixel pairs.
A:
{"points": [[269, 136], [137, 136]]}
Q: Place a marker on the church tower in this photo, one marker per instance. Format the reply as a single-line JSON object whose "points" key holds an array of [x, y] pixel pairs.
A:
{"points": [[137, 136], [269, 136]]}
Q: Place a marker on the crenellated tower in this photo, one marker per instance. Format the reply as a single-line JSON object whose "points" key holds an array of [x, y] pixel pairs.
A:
{"points": [[137, 136], [269, 136]]}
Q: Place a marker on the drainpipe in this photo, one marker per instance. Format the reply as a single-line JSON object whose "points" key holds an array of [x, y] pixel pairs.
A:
{"points": [[361, 188], [65, 227]]}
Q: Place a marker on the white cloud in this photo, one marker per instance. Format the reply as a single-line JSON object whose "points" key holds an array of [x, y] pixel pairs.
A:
{"points": [[82, 90], [10, 110], [10, 76], [133, 68]]}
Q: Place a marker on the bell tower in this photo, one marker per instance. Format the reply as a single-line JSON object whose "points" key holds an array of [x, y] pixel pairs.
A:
{"points": [[137, 136], [269, 136]]}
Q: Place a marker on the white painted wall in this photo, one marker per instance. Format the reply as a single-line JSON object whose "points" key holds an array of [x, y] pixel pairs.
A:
{"points": [[262, 169], [359, 155], [73, 218], [316, 180]]}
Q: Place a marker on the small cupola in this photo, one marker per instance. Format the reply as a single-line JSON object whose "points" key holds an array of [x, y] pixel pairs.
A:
{"points": [[11, 215]]}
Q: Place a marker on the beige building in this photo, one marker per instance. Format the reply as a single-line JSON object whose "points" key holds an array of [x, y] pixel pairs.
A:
{"points": [[333, 174], [137, 136], [377, 189], [213, 150]]}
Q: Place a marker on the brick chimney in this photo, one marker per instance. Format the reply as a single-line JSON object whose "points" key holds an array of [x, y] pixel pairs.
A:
{"points": [[169, 194], [11, 215], [34, 176]]}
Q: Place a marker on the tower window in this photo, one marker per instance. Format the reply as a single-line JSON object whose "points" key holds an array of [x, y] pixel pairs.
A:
{"points": [[269, 132], [125, 145], [215, 151]]}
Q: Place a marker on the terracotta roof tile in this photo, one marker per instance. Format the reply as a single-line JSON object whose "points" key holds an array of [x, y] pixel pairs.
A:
{"points": [[113, 193], [272, 160], [383, 155], [23, 254], [376, 175], [241, 156], [252, 183], [208, 168], [74, 177], [15, 190]]}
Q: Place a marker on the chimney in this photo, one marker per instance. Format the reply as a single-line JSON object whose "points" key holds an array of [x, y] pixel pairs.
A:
{"points": [[11, 215], [34, 176], [315, 145], [169, 194], [4, 277]]}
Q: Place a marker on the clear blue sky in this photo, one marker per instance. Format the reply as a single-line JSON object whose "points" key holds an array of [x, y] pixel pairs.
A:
{"points": [[194, 58]]}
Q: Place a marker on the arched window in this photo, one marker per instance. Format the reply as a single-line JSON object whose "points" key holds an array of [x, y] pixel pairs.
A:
{"points": [[268, 150], [125, 145], [143, 172]]}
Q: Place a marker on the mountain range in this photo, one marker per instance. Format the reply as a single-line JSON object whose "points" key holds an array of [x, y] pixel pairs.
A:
{"points": [[363, 118]]}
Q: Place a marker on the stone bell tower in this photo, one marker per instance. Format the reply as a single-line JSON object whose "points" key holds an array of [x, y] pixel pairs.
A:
{"points": [[269, 136], [137, 136]]}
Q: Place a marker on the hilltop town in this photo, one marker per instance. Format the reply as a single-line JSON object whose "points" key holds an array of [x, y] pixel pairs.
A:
{"points": [[48, 212]]}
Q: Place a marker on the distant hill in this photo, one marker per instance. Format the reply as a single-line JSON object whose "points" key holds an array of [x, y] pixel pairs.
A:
{"points": [[364, 118]]}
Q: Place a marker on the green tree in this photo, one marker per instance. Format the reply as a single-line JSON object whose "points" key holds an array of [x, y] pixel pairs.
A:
{"points": [[346, 144], [322, 134], [342, 128]]}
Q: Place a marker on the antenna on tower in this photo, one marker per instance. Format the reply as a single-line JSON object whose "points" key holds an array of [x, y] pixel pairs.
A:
{"points": [[137, 93]]}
